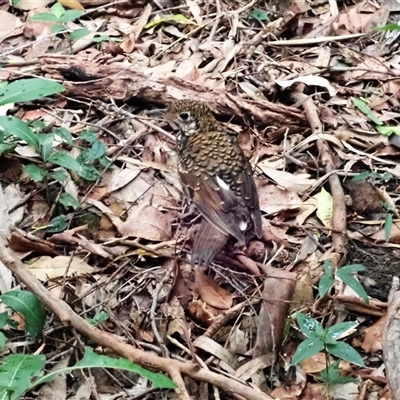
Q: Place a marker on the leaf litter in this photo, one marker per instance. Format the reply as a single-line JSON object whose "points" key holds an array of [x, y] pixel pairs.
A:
{"points": [[125, 248]]}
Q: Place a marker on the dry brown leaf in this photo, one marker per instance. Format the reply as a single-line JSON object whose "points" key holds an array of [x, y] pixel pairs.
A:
{"points": [[57, 388], [23, 244], [147, 223], [315, 363], [203, 313], [298, 183], [274, 199], [10, 25], [27, 5], [46, 268], [121, 177], [314, 391], [73, 4], [372, 338], [214, 348], [211, 292], [195, 10]]}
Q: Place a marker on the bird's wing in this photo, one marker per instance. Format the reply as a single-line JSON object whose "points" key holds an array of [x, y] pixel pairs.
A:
{"points": [[216, 202], [250, 196]]}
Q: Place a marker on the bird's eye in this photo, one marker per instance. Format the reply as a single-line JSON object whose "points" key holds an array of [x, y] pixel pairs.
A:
{"points": [[184, 116]]}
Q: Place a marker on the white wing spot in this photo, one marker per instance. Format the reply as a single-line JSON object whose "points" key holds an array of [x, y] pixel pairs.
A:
{"points": [[222, 184], [242, 225]]}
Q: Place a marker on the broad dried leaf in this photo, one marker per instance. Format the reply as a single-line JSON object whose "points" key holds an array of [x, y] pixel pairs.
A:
{"points": [[298, 183], [310, 80], [72, 4], [373, 336], [148, 223], [46, 268], [273, 199], [211, 292], [325, 207], [27, 5]]}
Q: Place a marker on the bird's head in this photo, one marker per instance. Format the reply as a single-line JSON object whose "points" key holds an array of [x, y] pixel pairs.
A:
{"points": [[192, 117]]}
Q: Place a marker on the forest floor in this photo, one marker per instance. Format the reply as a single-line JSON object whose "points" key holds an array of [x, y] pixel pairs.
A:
{"points": [[312, 91]]}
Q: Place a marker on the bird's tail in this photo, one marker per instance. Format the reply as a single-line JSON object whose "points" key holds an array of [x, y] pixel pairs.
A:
{"points": [[207, 243]]}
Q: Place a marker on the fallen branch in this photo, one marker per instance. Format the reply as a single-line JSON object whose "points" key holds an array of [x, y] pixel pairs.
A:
{"points": [[391, 339], [339, 205], [173, 368], [84, 78]]}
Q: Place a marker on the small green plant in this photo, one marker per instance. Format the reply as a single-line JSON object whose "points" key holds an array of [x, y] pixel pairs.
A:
{"points": [[59, 17], [326, 340], [388, 27], [26, 304], [376, 177], [346, 275], [20, 373], [388, 224], [53, 162], [98, 318]]}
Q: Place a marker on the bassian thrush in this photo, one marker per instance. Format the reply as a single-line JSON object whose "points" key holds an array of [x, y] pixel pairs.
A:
{"points": [[217, 177]]}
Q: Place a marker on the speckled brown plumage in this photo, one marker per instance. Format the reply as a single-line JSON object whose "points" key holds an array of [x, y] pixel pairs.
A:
{"points": [[216, 176]]}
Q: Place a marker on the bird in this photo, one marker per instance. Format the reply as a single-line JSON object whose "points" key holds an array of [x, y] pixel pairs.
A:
{"points": [[217, 177]]}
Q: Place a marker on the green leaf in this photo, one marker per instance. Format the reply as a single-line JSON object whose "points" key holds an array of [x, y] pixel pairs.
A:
{"points": [[352, 282], [325, 283], [3, 341], [388, 226], [364, 108], [328, 267], [46, 141], [98, 318], [44, 17], [28, 90], [36, 173], [365, 175], [179, 18], [92, 360], [70, 15], [57, 10], [351, 269], [388, 130], [89, 136], [89, 172], [345, 352], [79, 34], [20, 129], [6, 148], [97, 150], [60, 175], [69, 201], [56, 28], [3, 319], [309, 326], [388, 27], [64, 134], [335, 331], [16, 373], [105, 38], [324, 207], [57, 224], [307, 349], [260, 15], [65, 160], [331, 375], [106, 162], [27, 304]]}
